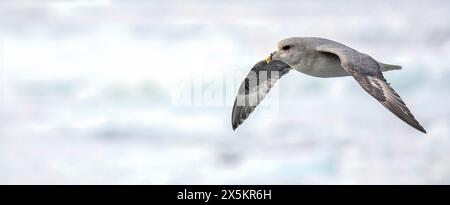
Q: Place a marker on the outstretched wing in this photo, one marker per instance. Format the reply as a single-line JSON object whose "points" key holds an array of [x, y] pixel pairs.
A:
{"points": [[367, 73], [254, 88]]}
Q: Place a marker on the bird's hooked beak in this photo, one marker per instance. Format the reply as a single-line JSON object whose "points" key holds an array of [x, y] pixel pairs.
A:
{"points": [[269, 58]]}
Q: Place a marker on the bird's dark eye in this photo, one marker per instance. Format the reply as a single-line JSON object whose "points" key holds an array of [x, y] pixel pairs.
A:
{"points": [[287, 47]]}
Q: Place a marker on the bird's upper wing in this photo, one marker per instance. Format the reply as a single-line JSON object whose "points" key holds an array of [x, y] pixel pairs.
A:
{"points": [[367, 73], [254, 88]]}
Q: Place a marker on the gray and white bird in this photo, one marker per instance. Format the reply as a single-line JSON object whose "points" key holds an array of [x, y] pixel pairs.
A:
{"points": [[320, 58]]}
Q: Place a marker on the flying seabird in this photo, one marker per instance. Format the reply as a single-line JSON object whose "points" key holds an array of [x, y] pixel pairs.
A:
{"points": [[322, 58]]}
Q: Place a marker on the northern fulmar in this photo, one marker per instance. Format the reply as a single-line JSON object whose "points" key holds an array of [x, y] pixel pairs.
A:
{"points": [[322, 58]]}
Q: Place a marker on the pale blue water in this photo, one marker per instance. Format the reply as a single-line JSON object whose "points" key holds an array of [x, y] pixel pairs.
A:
{"points": [[88, 94]]}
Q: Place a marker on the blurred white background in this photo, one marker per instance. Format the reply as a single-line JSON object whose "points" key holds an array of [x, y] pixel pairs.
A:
{"points": [[87, 93]]}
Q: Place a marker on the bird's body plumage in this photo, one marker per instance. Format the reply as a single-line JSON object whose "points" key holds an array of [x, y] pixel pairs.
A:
{"points": [[322, 64], [325, 58]]}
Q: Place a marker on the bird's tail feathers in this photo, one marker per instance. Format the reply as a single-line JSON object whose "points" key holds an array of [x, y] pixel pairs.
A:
{"points": [[387, 67]]}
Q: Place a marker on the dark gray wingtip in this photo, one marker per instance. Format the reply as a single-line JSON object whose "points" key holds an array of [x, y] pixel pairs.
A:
{"points": [[234, 120], [234, 125], [420, 128], [236, 116]]}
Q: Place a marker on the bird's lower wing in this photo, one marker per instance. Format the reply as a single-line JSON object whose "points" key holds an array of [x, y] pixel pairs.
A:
{"points": [[367, 73], [255, 87], [380, 89]]}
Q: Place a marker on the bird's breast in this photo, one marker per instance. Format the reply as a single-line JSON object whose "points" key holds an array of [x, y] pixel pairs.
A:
{"points": [[323, 65]]}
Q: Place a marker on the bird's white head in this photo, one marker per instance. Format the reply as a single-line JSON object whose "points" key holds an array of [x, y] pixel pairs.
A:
{"points": [[289, 51]]}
